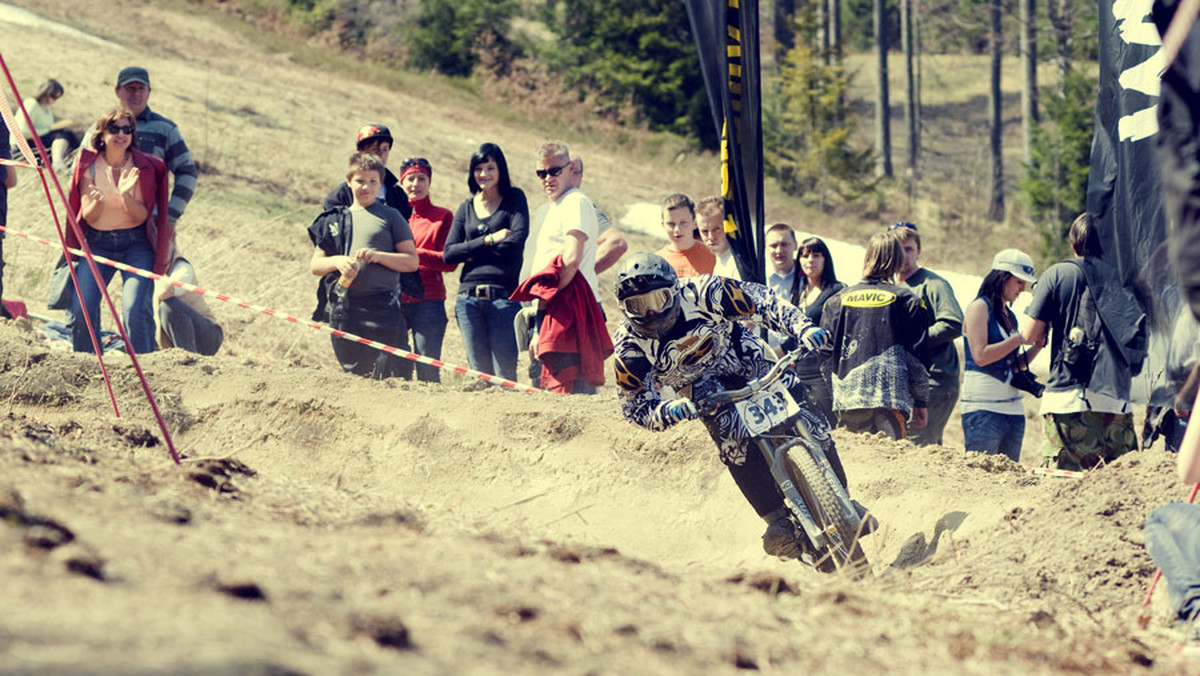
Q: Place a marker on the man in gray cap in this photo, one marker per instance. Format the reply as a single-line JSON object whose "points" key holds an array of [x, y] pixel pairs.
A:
{"points": [[158, 136]]}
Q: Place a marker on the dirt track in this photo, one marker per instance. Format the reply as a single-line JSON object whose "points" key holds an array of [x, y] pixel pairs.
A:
{"points": [[323, 524], [516, 533]]}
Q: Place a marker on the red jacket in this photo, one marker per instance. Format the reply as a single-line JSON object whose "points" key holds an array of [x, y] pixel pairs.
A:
{"points": [[152, 178], [573, 325], [430, 225]]}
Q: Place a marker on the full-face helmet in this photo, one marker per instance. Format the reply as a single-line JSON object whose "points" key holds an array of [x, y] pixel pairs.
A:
{"points": [[648, 293]]}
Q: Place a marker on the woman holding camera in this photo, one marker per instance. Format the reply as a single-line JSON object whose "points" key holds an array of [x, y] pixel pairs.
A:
{"points": [[993, 415]]}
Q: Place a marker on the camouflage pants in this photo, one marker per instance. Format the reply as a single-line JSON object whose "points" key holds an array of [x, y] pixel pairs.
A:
{"points": [[1076, 441]]}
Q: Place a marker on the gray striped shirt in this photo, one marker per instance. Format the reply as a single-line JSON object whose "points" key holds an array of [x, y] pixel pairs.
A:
{"points": [[158, 136]]}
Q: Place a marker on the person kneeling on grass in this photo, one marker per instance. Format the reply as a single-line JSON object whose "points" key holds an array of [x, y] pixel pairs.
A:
{"points": [[360, 253], [184, 320]]}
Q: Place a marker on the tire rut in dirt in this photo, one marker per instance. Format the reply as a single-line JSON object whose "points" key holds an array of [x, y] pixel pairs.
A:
{"points": [[824, 505]]}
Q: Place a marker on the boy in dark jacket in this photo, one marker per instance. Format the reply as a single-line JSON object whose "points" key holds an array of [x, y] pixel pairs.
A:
{"points": [[363, 249], [875, 356], [377, 140]]}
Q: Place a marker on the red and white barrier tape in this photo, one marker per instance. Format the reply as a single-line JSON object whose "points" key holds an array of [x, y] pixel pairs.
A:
{"points": [[18, 140], [1060, 473], [319, 326]]}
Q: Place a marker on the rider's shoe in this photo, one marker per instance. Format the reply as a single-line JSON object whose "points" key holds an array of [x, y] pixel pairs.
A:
{"points": [[780, 539], [869, 522]]}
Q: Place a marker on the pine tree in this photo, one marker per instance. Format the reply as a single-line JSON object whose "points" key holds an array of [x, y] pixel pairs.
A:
{"points": [[807, 128], [1055, 181]]}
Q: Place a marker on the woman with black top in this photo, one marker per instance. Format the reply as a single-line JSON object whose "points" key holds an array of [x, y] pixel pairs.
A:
{"points": [[488, 238], [819, 283]]}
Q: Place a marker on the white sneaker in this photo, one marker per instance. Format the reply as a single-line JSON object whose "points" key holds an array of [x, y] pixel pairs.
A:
{"points": [[1191, 637]]}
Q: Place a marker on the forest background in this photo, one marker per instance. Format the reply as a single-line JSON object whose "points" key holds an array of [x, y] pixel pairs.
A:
{"points": [[982, 134], [326, 524]]}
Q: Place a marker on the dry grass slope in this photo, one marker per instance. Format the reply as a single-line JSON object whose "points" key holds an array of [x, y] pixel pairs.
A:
{"points": [[323, 524]]}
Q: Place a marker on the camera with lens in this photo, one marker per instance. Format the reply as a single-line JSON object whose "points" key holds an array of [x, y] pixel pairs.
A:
{"points": [[1027, 382]]}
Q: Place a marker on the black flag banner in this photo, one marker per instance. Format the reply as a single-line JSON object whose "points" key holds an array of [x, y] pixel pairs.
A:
{"points": [[1124, 193], [726, 35]]}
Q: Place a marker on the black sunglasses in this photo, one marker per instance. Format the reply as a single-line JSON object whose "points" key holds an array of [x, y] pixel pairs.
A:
{"points": [[552, 171], [126, 129], [902, 224]]}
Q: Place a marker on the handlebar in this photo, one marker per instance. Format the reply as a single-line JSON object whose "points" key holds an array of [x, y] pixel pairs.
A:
{"points": [[717, 399]]}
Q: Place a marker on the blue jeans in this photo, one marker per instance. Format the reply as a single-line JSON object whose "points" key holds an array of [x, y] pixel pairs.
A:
{"points": [[137, 312], [993, 433], [488, 335], [427, 321], [1173, 540]]}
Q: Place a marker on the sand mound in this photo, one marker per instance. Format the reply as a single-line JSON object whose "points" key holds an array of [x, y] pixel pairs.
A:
{"points": [[321, 523]]}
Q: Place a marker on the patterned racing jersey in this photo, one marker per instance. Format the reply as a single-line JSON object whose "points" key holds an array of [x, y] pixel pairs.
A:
{"points": [[708, 349]]}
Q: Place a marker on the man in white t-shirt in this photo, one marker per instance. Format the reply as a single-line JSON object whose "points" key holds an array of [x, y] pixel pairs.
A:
{"points": [[570, 226], [610, 243], [567, 225]]}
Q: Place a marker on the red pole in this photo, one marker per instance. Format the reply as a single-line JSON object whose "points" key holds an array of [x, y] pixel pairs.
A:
{"points": [[72, 220]]}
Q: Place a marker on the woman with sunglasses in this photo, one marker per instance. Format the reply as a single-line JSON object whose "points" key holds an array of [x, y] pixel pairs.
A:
{"points": [[120, 196], [488, 238], [993, 415]]}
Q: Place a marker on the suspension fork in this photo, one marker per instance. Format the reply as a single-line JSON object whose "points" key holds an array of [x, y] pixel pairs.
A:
{"points": [[775, 450], [776, 457]]}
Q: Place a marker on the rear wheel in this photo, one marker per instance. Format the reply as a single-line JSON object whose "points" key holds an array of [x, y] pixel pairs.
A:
{"points": [[843, 546]]}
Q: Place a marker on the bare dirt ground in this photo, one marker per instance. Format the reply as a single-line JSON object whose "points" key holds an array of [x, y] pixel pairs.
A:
{"points": [[322, 524]]}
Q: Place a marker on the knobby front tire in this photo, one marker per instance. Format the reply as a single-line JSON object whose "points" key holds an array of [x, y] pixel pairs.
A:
{"points": [[823, 503]]}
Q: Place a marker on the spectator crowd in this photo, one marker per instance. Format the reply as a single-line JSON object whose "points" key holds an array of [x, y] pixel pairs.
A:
{"points": [[528, 283], [881, 346]]}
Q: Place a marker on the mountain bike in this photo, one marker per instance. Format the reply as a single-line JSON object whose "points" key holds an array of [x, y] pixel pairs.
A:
{"points": [[828, 523]]}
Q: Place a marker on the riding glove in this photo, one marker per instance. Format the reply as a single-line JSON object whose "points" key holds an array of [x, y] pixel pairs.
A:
{"points": [[813, 338], [680, 409]]}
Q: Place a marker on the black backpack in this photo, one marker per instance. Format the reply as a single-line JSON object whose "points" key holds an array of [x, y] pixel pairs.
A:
{"points": [[410, 282], [1083, 339], [1086, 333]]}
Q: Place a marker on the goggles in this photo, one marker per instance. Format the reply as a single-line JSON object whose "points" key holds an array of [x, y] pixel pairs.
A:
{"points": [[651, 302]]}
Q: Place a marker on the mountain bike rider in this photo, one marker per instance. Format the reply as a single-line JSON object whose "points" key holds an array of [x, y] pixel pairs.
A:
{"points": [[689, 335]]}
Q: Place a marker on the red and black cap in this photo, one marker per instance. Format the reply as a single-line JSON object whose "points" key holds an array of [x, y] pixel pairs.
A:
{"points": [[373, 132]]}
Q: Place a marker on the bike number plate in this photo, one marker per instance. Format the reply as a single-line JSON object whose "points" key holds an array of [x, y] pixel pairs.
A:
{"points": [[766, 409]]}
